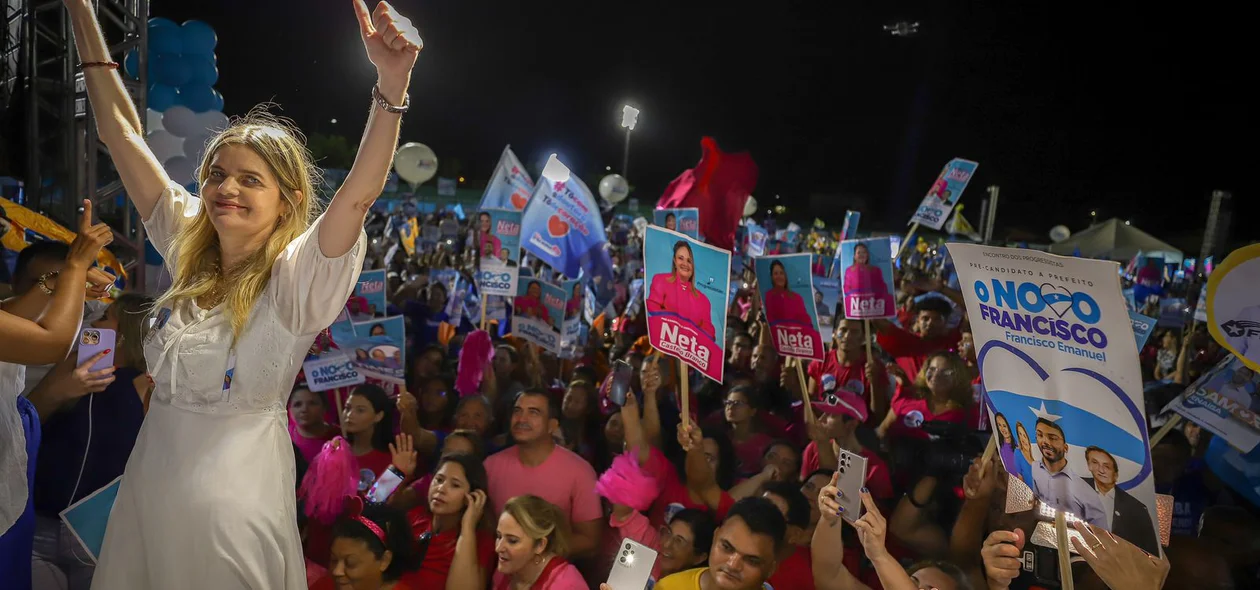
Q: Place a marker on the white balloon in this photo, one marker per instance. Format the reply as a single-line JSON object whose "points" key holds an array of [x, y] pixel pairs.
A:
{"points": [[164, 145], [180, 121], [614, 188], [153, 120], [181, 169], [1059, 233], [750, 206], [194, 147], [212, 122], [415, 163]]}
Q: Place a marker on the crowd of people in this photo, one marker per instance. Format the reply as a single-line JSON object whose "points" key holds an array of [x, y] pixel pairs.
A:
{"points": [[538, 478]]}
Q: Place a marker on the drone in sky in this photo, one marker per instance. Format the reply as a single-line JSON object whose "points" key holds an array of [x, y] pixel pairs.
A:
{"points": [[903, 28]]}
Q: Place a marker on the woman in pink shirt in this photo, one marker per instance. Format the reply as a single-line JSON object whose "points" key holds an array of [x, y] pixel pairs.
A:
{"points": [[531, 542], [490, 244], [942, 392], [530, 304], [861, 277], [782, 303], [676, 292]]}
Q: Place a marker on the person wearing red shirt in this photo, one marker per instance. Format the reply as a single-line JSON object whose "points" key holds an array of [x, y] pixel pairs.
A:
{"points": [[839, 417], [930, 333], [455, 543], [795, 569], [942, 392], [847, 367]]}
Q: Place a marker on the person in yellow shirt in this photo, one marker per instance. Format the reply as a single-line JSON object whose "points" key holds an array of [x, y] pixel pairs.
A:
{"points": [[743, 552]]}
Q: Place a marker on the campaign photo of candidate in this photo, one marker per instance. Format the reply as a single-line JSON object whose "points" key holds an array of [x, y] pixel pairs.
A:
{"points": [[1126, 517], [1057, 484]]}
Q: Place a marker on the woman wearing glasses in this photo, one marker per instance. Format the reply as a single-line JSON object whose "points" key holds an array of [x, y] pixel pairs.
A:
{"points": [[941, 393]]}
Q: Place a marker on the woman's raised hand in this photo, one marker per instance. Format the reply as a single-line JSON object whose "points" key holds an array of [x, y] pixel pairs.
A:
{"points": [[391, 41]]}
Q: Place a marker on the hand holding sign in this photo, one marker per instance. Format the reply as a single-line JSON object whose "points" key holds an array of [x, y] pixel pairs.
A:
{"points": [[391, 41]]}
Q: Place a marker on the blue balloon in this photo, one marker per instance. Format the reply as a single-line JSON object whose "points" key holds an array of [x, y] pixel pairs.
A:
{"points": [[131, 63], [218, 102], [161, 23], [198, 98], [162, 97], [202, 70], [165, 40], [199, 38], [171, 70]]}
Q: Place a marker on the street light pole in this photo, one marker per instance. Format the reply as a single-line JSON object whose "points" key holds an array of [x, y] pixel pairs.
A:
{"points": [[629, 117]]}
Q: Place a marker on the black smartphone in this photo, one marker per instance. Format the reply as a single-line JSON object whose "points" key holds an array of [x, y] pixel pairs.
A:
{"points": [[622, 371]]}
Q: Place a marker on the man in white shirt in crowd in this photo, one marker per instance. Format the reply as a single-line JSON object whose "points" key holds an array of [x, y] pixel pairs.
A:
{"points": [[1056, 485]]}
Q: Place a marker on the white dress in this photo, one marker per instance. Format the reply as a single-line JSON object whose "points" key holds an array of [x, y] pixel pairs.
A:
{"points": [[208, 496]]}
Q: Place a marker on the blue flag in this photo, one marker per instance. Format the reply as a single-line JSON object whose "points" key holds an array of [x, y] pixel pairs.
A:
{"points": [[562, 227], [510, 185]]}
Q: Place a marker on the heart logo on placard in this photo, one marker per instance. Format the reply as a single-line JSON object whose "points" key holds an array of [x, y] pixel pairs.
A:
{"points": [[1058, 299], [519, 200], [557, 227]]}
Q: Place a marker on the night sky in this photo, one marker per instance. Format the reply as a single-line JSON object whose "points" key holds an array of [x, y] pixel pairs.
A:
{"points": [[1139, 115]]}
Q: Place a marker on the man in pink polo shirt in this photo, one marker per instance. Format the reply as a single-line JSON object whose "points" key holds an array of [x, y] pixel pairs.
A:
{"points": [[536, 465]]}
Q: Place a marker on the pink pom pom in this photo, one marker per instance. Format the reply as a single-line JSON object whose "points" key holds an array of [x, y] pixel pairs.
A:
{"points": [[627, 484], [475, 355], [332, 476]]}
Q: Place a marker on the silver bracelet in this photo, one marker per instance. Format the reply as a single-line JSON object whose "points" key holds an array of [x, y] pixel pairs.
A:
{"points": [[384, 104]]}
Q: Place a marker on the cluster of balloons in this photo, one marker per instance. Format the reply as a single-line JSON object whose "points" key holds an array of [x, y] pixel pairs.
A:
{"points": [[185, 111]]}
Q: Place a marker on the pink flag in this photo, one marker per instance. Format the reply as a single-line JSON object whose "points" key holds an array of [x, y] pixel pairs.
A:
{"points": [[718, 186]]}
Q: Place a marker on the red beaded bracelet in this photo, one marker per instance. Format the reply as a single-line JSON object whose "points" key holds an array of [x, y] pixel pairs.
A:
{"points": [[113, 65]]}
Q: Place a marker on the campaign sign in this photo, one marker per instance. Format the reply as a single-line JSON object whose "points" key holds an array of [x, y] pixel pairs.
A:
{"points": [[1240, 471], [826, 303], [684, 221], [561, 225], [787, 291], [88, 517], [1064, 390], [1172, 312], [371, 286], [1142, 327], [847, 232], [380, 348], [687, 284], [538, 313], [867, 279], [1224, 401], [571, 325], [1233, 304], [329, 371], [500, 251], [342, 329], [757, 237], [944, 194]]}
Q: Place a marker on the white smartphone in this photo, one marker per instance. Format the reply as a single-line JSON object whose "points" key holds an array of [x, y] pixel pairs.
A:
{"points": [[633, 566], [385, 485], [852, 470]]}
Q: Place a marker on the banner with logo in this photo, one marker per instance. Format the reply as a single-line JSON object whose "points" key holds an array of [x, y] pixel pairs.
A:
{"points": [[371, 286], [757, 237], [1233, 304], [21, 227], [827, 302], [867, 279], [500, 251], [687, 284], [944, 194], [331, 370], [563, 228], [509, 186], [787, 294], [538, 313], [684, 221], [1225, 401], [1060, 369], [1142, 327]]}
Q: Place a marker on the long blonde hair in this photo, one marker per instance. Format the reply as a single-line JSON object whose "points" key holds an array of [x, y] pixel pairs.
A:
{"points": [[196, 244], [541, 520]]}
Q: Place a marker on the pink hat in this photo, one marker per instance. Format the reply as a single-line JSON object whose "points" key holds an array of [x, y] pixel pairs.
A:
{"points": [[842, 402]]}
